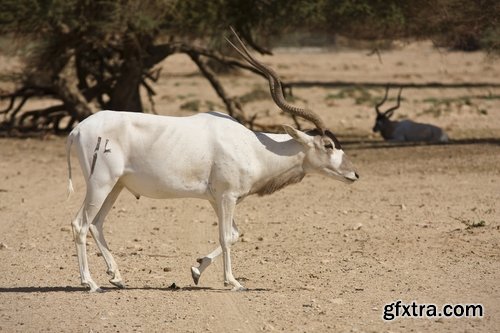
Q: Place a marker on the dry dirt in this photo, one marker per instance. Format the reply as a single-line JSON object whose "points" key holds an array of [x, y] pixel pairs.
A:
{"points": [[422, 224]]}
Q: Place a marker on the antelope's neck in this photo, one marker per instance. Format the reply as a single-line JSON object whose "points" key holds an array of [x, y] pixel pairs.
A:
{"points": [[388, 129], [282, 163]]}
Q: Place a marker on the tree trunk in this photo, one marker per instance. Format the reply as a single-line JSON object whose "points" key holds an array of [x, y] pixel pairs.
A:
{"points": [[73, 100], [125, 95]]}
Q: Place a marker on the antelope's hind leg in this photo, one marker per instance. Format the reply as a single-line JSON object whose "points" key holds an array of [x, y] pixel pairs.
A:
{"points": [[98, 235], [80, 228], [93, 202]]}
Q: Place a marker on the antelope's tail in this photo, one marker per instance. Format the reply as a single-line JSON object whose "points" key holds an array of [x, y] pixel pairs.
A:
{"points": [[69, 143]]}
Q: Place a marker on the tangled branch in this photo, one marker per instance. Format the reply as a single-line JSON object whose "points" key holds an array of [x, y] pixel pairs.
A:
{"points": [[111, 81]]}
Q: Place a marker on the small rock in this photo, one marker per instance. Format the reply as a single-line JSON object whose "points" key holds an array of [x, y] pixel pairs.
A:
{"points": [[309, 288], [358, 226], [3, 246], [167, 269], [64, 229], [268, 327], [260, 238], [403, 207], [173, 286]]}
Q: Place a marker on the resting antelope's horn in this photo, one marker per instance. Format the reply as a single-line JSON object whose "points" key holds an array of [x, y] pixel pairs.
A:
{"points": [[379, 104], [389, 112], [276, 87]]}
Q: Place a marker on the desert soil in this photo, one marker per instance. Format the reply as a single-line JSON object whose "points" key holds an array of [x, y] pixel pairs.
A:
{"points": [[422, 224]]}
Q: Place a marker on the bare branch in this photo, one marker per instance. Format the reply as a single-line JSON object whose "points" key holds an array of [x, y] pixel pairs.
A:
{"points": [[234, 108], [424, 85], [150, 91], [73, 99], [377, 52]]}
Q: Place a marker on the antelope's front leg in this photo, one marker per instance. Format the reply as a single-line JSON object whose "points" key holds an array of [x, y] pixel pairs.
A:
{"points": [[207, 260], [225, 213]]}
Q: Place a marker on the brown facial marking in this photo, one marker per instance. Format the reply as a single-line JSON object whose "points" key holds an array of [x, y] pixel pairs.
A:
{"points": [[329, 134]]}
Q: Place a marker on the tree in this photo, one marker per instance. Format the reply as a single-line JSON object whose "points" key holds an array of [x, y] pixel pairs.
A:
{"points": [[102, 52]]}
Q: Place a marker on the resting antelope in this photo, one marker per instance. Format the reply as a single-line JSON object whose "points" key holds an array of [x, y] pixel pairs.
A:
{"points": [[208, 156], [404, 130]]}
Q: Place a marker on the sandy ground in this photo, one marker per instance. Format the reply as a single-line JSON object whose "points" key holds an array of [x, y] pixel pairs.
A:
{"points": [[422, 224]]}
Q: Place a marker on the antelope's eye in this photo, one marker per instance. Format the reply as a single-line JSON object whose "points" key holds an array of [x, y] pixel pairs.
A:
{"points": [[329, 146]]}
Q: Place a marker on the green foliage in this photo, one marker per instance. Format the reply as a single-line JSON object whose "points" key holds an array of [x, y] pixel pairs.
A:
{"points": [[440, 106], [112, 45], [256, 94], [191, 105], [490, 39], [361, 96], [366, 19], [459, 23], [470, 223]]}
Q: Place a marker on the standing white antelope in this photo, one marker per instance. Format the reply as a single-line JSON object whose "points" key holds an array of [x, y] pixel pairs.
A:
{"points": [[208, 156], [404, 130]]}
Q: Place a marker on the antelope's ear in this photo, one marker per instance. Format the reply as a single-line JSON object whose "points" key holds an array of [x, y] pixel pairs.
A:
{"points": [[299, 136]]}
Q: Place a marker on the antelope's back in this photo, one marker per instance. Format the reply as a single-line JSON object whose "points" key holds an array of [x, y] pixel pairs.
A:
{"points": [[412, 131], [160, 156]]}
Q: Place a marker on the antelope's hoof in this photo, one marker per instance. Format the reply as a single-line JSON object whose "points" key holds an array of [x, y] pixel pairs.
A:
{"points": [[92, 287], [236, 286], [195, 274], [98, 290], [118, 284]]}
